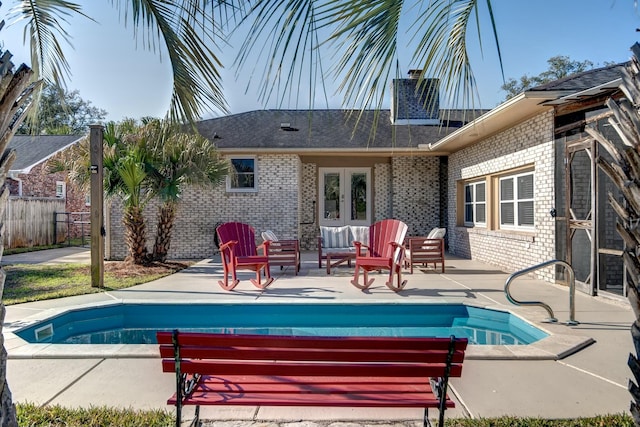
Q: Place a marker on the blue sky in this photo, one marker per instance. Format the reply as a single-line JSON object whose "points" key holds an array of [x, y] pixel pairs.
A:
{"points": [[126, 81]]}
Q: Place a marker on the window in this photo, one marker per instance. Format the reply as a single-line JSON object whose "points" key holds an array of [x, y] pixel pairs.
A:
{"points": [[475, 204], [516, 201], [61, 189], [243, 176]]}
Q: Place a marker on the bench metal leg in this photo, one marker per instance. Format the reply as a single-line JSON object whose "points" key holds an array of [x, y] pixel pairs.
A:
{"points": [[196, 417], [425, 420]]}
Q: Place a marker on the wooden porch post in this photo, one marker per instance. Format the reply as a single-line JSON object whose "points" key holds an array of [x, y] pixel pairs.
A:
{"points": [[97, 206]]}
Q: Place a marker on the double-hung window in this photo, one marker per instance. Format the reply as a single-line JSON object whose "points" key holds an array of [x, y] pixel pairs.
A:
{"points": [[516, 201], [475, 204], [61, 189], [243, 176]]}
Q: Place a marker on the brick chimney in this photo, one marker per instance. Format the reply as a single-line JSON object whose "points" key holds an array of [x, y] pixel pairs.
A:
{"points": [[415, 101]]}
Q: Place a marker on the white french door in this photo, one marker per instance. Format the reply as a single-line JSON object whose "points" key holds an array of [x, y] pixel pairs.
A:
{"points": [[345, 196]]}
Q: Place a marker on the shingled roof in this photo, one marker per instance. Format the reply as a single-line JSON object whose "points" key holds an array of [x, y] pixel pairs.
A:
{"points": [[32, 150], [321, 130], [584, 80]]}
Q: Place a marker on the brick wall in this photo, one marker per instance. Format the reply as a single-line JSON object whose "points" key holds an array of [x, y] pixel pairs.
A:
{"points": [[275, 206], [530, 143], [416, 193], [407, 189]]}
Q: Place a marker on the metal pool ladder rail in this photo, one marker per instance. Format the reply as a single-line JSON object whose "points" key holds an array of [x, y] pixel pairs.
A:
{"points": [[572, 290]]}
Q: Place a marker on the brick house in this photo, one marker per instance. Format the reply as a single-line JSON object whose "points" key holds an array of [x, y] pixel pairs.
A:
{"points": [[497, 181], [29, 176], [524, 186]]}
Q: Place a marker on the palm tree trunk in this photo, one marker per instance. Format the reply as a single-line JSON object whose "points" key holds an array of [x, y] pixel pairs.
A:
{"points": [[166, 219], [135, 235], [15, 96]]}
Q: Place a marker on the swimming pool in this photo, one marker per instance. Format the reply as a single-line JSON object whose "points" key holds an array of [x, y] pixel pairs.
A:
{"points": [[137, 323]]}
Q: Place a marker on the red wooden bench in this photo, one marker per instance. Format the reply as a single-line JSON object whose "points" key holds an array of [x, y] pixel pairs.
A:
{"points": [[267, 370]]}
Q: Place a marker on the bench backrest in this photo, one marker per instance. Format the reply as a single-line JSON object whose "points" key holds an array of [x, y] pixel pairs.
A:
{"points": [[225, 354]]}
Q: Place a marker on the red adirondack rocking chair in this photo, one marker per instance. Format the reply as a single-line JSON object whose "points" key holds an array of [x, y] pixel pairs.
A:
{"points": [[384, 252], [238, 251]]}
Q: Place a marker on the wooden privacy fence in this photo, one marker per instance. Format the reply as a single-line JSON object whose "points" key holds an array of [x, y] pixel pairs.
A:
{"points": [[29, 221]]}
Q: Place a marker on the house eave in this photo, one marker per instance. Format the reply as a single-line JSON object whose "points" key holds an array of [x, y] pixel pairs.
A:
{"points": [[514, 110], [368, 152]]}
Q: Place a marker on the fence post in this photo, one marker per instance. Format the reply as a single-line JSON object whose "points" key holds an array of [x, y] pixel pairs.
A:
{"points": [[97, 206]]}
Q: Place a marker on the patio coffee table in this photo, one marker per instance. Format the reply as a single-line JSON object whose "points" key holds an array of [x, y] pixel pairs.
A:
{"points": [[341, 258]]}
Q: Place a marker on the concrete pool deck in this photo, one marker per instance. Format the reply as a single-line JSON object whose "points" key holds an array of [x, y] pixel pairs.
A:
{"points": [[579, 371]]}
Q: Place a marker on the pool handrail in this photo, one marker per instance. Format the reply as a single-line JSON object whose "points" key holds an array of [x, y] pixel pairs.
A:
{"points": [[572, 290]]}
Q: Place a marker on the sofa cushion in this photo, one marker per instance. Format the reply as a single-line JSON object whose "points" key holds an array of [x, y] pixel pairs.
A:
{"points": [[359, 234], [335, 237], [269, 235]]}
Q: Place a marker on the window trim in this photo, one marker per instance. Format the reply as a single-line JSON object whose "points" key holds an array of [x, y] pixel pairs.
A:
{"points": [[516, 200], [253, 189], [474, 203]]}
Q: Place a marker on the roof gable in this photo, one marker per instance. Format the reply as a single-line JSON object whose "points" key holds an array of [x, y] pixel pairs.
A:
{"points": [[31, 150]]}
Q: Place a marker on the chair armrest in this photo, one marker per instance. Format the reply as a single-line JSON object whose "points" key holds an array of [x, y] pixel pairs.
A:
{"points": [[264, 247], [228, 245], [401, 248], [359, 247]]}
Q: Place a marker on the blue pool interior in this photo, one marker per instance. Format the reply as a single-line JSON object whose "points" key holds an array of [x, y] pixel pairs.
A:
{"points": [[137, 323]]}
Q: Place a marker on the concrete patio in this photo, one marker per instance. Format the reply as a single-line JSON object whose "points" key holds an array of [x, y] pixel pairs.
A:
{"points": [[578, 371]]}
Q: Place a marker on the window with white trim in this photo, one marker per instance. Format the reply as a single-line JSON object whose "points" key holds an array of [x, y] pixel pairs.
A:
{"points": [[516, 201], [61, 189], [475, 204], [243, 176]]}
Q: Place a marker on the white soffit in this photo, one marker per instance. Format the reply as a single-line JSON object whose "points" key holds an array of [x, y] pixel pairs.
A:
{"points": [[507, 114]]}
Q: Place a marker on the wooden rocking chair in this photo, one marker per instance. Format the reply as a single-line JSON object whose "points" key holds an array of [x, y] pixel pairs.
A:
{"points": [[384, 252], [238, 250]]}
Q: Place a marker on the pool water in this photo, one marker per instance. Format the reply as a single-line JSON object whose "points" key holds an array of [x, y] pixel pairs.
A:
{"points": [[137, 323]]}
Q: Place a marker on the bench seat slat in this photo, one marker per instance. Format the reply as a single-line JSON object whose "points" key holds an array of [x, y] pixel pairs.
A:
{"points": [[325, 354], [208, 367]]}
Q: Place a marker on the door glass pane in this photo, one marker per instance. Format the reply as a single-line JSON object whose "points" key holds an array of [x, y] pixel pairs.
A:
{"points": [[332, 195], [358, 196]]}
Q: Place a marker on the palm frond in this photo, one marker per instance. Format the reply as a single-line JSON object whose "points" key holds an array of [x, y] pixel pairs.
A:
{"points": [[45, 32], [187, 29], [283, 40]]}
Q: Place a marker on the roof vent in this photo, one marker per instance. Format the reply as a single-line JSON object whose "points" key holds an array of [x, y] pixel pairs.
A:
{"points": [[287, 127]]}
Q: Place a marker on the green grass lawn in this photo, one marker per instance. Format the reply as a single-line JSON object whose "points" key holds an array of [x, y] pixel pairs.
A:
{"points": [[57, 416], [35, 282]]}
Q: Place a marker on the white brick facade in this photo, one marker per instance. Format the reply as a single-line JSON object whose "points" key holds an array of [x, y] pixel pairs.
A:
{"points": [[275, 206], [528, 144], [408, 188]]}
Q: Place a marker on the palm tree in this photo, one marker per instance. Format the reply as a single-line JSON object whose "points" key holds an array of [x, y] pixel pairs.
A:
{"points": [[124, 166], [125, 174], [176, 159]]}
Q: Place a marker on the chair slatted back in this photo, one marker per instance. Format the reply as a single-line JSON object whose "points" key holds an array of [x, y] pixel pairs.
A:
{"points": [[244, 234], [383, 232]]}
